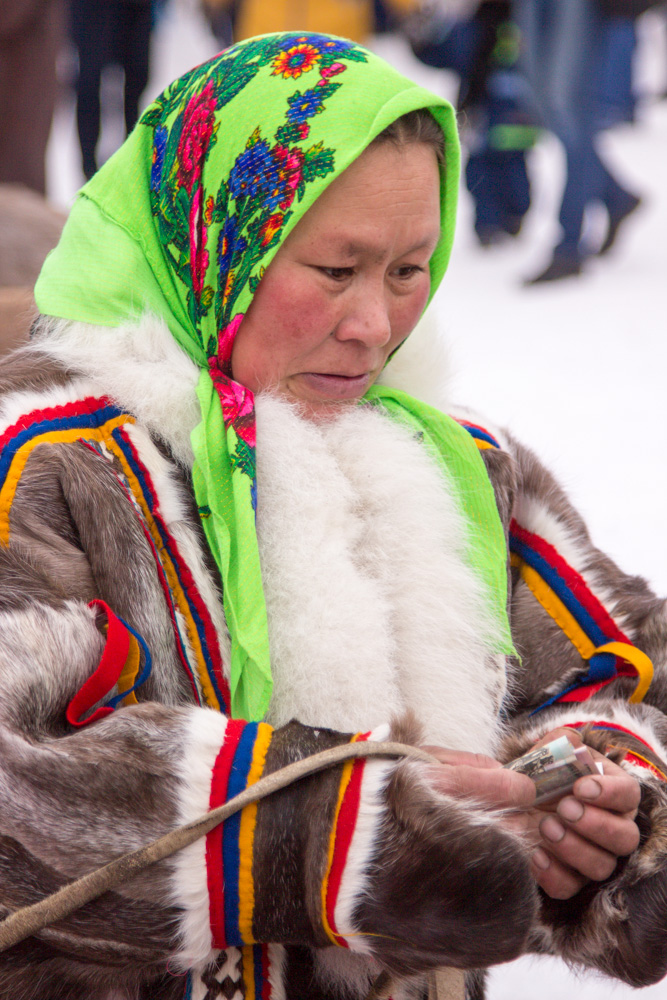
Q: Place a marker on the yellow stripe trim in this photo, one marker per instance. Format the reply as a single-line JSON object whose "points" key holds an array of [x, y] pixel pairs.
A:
{"points": [[247, 837], [248, 963], [555, 607], [649, 763], [130, 671], [172, 578], [21, 457], [564, 618], [342, 788], [639, 660]]}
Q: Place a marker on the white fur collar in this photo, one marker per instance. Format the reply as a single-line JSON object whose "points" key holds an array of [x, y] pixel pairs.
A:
{"points": [[140, 365], [359, 537], [372, 609]]}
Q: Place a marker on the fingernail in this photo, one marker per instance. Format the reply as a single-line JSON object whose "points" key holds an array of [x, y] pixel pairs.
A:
{"points": [[541, 859], [551, 829], [588, 788], [570, 809]]}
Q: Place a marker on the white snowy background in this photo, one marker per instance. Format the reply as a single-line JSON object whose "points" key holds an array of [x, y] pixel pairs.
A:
{"points": [[578, 369]]}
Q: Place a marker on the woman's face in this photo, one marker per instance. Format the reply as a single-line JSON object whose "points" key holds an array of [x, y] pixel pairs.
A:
{"points": [[348, 284]]}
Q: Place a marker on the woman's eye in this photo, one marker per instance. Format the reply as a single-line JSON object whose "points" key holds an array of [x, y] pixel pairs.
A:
{"points": [[338, 273], [408, 270]]}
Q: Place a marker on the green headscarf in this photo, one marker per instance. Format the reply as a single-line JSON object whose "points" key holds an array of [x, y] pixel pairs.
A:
{"points": [[183, 220]]}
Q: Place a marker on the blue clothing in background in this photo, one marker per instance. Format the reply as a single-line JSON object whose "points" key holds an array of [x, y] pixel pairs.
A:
{"points": [[566, 57]]}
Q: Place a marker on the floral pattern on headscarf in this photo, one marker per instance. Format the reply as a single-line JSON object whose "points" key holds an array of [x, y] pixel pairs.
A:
{"points": [[252, 205]]}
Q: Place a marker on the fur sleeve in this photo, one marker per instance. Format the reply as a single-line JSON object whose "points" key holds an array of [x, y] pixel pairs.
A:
{"points": [[326, 862], [618, 926]]}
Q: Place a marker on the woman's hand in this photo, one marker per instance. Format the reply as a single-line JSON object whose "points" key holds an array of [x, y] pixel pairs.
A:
{"points": [[483, 779], [575, 840], [581, 837]]}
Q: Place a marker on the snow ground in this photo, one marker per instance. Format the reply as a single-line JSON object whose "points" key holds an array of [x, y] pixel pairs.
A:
{"points": [[576, 370]]}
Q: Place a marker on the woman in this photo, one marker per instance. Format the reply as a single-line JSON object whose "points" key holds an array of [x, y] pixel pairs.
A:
{"points": [[226, 290]]}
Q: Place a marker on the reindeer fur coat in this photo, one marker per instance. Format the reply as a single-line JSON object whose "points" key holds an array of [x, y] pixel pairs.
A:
{"points": [[374, 617]]}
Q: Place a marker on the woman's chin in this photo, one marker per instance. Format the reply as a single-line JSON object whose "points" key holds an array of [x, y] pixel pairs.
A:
{"points": [[322, 396], [321, 411]]}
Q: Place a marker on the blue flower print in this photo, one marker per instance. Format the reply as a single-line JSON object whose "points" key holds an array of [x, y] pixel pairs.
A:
{"points": [[159, 146], [247, 178], [303, 106]]}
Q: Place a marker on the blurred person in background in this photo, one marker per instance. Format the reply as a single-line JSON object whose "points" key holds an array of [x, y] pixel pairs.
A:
{"points": [[106, 32], [30, 36], [497, 120], [566, 59], [234, 20]]}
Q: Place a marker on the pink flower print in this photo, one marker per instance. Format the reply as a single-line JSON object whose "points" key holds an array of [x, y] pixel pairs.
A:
{"points": [[289, 164], [237, 401], [328, 71], [198, 122], [226, 340], [198, 253], [238, 408]]}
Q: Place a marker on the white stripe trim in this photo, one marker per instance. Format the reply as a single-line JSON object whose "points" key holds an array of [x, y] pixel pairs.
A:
{"points": [[355, 874], [205, 734]]}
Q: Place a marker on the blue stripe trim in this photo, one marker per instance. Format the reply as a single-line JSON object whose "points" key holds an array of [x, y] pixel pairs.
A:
{"points": [[166, 541], [83, 421], [561, 589], [480, 434], [258, 968], [603, 669], [167, 589], [238, 779], [145, 672]]}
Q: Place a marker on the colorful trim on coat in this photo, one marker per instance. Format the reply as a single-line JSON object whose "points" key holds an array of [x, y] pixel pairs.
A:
{"points": [[98, 424], [342, 831], [91, 417], [229, 847], [258, 968], [631, 756], [207, 679], [568, 599], [565, 595], [125, 664]]}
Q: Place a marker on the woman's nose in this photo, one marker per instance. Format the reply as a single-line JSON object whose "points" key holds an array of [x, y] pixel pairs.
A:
{"points": [[367, 320]]}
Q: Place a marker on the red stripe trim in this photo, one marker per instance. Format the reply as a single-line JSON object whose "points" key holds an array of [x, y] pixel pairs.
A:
{"points": [[601, 724], [267, 991], [73, 409], [164, 583], [641, 762], [214, 868], [187, 580], [345, 827], [629, 755], [585, 692], [575, 582], [105, 678]]}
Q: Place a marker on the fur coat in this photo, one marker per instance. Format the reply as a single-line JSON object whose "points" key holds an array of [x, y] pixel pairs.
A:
{"points": [[377, 627]]}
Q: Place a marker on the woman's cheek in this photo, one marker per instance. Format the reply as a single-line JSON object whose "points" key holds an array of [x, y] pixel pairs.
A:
{"points": [[410, 307]]}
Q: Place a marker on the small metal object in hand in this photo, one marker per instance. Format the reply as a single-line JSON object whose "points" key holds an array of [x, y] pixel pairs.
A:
{"points": [[555, 767]]}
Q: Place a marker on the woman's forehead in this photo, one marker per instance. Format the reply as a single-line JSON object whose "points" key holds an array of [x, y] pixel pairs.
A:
{"points": [[386, 188]]}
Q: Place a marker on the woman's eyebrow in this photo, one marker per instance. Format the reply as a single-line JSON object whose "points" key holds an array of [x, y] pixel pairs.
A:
{"points": [[356, 248]]}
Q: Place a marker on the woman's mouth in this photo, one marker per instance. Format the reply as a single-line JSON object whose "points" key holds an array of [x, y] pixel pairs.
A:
{"points": [[333, 385]]}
